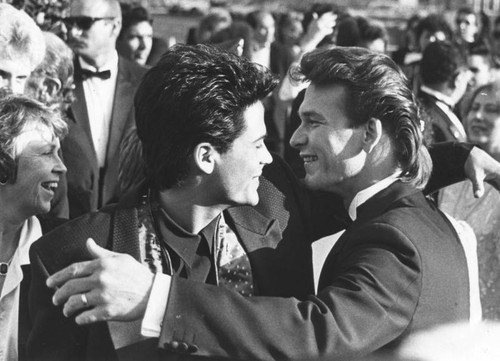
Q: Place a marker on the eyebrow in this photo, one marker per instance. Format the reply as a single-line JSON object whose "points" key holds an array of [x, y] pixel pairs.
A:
{"points": [[262, 137], [309, 113]]}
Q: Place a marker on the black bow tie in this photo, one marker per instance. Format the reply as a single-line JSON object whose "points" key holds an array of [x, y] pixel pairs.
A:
{"points": [[86, 73]]}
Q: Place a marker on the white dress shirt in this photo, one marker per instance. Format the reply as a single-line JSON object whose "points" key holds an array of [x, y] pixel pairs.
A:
{"points": [[99, 96], [364, 195], [9, 298]]}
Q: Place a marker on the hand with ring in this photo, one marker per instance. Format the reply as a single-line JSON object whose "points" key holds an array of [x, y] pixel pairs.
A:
{"points": [[117, 285]]}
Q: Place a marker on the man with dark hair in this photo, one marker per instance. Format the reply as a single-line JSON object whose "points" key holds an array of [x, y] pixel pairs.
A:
{"points": [[200, 121], [398, 268], [136, 36], [430, 29], [444, 76], [433, 27]]}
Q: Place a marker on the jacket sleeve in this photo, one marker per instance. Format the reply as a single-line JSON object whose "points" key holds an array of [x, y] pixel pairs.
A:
{"points": [[448, 164], [368, 301], [53, 336]]}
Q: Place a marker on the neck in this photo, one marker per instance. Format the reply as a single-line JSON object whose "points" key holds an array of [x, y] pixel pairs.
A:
{"points": [[9, 239], [100, 60], [379, 165], [188, 208]]}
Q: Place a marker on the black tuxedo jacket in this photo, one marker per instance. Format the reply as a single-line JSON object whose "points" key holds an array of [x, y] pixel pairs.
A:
{"points": [[275, 235], [78, 149], [397, 269]]}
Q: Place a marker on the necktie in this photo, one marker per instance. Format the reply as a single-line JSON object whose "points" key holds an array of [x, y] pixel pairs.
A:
{"points": [[233, 265], [86, 74]]}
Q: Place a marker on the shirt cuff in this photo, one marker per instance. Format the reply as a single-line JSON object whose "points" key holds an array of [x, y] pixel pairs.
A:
{"points": [[157, 305]]}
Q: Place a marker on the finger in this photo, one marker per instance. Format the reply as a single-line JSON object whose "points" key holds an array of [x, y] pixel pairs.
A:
{"points": [[97, 251], [73, 287], [478, 187], [76, 304], [92, 315], [76, 270]]}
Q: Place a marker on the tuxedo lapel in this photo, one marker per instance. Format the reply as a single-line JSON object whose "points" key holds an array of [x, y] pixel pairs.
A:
{"points": [[254, 230], [124, 96], [79, 110]]}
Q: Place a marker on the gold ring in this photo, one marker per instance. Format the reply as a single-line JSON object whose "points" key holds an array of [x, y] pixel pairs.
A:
{"points": [[84, 299]]}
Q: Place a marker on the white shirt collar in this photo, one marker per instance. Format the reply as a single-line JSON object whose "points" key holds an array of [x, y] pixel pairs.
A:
{"points": [[30, 232], [111, 64], [362, 196], [438, 95]]}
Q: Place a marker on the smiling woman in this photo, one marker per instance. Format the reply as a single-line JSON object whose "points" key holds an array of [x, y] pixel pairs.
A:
{"points": [[30, 170]]}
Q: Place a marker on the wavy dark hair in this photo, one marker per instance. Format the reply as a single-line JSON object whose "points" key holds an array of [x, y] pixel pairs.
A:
{"points": [[194, 94], [375, 88]]}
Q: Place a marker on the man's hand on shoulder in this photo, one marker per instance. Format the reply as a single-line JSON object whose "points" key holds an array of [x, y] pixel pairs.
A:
{"points": [[112, 286]]}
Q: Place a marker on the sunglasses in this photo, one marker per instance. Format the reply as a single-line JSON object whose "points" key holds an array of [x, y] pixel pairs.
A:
{"points": [[83, 22]]}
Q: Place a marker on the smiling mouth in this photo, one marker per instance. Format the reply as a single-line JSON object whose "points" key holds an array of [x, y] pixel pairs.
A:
{"points": [[309, 158], [50, 186]]}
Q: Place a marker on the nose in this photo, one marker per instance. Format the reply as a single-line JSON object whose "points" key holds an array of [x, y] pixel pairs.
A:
{"points": [[298, 138], [267, 158], [59, 167], [142, 44]]}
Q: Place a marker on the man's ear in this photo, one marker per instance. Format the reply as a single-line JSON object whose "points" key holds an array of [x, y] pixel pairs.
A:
{"points": [[373, 133], [117, 27], [204, 157]]}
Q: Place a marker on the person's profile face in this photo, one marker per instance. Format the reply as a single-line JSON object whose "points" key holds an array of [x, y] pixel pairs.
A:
{"points": [[483, 121], [236, 176], [468, 27], [480, 68], [136, 42], [13, 75], [329, 145], [38, 171]]}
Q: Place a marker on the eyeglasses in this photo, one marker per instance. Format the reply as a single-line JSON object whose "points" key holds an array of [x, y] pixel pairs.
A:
{"points": [[82, 22]]}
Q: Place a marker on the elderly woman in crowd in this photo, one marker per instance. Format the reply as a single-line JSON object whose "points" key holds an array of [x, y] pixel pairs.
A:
{"points": [[30, 170]]}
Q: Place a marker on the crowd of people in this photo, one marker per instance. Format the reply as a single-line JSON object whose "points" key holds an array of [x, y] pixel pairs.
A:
{"points": [[161, 200]]}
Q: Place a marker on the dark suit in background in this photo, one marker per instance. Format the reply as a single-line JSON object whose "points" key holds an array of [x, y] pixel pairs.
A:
{"points": [[88, 190], [442, 127]]}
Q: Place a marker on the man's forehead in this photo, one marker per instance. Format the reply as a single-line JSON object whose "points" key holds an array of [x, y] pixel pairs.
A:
{"points": [[92, 8]]}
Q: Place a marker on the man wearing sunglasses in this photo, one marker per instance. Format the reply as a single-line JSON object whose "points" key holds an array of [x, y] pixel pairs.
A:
{"points": [[103, 110]]}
